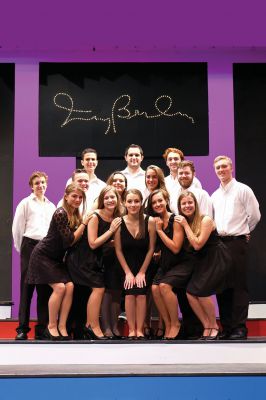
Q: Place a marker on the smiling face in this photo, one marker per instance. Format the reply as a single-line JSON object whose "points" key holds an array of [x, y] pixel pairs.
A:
{"points": [[74, 199], [151, 179], [133, 157], [158, 203], [172, 162], [110, 200], [224, 171], [133, 203], [89, 162], [187, 206], [82, 180], [119, 183], [39, 186], [185, 177]]}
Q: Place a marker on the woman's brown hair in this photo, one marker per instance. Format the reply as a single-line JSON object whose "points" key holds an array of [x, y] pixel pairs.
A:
{"points": [[141, 232], [105, 190], [195, 224], [74, 218]]}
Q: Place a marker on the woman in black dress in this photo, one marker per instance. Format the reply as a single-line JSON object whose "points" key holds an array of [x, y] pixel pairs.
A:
{"points": [[174, 268], [47, 260], [102, 225], [113, 275], [134, 245], [212, 262]]}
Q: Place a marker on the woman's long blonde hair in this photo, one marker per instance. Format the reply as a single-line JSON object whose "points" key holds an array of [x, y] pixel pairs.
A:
{"points": [[195, 223], [74, 218]]}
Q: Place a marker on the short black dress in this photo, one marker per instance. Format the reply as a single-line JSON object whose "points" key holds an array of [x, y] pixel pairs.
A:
{"points": [[46, 263], [212, 264], [95, 268], [135, 251], [174, 269]]}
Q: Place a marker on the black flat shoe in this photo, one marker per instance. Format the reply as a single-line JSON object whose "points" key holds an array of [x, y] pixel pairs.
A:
{"points": [[141, 338], [64, 338], [131, 337], [89, 334], [47, 334], [21, 336]]}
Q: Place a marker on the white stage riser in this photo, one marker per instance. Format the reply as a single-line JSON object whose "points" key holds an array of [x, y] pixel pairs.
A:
{"points": [[105, 354]]}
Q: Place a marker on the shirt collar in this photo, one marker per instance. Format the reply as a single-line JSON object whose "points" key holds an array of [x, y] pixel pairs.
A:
{"points": [[228, 186]]}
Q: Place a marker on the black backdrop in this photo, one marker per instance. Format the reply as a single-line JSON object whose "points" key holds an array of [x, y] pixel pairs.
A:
{"points": [[7, 79], [109, 105], [250, 142]]}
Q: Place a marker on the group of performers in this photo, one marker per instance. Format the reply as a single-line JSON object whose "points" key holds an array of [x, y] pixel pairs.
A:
{"points": [[140, 237]]}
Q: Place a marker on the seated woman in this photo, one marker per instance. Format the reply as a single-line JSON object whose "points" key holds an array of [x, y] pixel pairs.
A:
{"points": [[174, 267], [47, 260], [134, 245], [212, 262]]}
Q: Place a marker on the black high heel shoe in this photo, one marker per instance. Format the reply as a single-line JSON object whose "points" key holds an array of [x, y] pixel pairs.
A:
{"points": [[216, 337], [89, 334], [47, 334], [64, 338], [180, 335], [204, 337], [158, 336]]}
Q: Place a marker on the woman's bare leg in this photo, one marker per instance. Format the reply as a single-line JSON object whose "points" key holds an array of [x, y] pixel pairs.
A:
{"points": [[65, 308], [54, 305], [159, 301], [171, 303], [130, 307], [93, 310], [140, 313]]}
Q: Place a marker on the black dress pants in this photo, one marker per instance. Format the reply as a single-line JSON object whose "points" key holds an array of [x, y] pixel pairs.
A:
{"points": [[233, 302], [26, 292]]}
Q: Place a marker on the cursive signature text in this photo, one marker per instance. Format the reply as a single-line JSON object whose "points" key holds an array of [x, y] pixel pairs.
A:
{"points": [[120, 110]]}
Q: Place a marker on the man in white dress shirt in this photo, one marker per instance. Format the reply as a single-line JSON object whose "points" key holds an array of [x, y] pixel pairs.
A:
{"points": [[173, 158], [30, 225], [89, 162], [236, 214], [134, 173], [186, 174]]}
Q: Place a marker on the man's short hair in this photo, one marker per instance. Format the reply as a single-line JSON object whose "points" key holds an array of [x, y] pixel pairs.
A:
{"points": [[37, 174], [136, 146], [187, 163], [88, 150], [173, 150], [78, 171], [219, 158]]}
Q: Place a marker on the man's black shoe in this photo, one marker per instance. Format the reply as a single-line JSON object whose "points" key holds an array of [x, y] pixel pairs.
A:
{"points": [[21, 336], [238, 334], [224, 335]]}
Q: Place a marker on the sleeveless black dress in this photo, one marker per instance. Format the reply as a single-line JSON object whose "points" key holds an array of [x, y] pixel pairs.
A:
{"points": [[46, 263], [174, 269], [134, 251], [212, 264], [93, 268]]}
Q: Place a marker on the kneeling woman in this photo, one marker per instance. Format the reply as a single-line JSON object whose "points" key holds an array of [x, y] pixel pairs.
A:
{"points": [[211, 262], [134, 245], [174, 267], [47, 265]]}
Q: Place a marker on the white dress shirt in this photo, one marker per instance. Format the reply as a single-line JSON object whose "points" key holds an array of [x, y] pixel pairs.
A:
{"points": [[203, 199], [32, 219], [95, 187], [135, 181], [236, 209]]}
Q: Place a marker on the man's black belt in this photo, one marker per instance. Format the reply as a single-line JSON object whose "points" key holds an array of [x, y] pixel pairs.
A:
{"points": [[229, 238]]}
